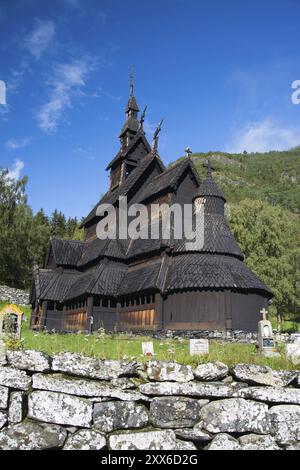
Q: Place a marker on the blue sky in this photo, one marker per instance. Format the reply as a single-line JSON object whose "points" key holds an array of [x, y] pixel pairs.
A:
{"points": [[218, 71]]}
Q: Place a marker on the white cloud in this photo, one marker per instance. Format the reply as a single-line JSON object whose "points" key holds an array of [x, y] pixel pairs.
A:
{"points": [[14, 144], [40, 38], [264, 136], [15, 171], [68, 81]]}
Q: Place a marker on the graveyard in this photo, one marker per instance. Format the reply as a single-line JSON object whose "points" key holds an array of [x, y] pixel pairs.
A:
{"points": [[128, 347]]}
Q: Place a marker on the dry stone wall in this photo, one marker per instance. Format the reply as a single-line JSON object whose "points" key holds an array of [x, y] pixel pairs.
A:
{"points": [[71, 402]]}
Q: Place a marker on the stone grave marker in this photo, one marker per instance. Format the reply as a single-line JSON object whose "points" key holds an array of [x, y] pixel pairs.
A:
{"points": [[11, 321], [293, 353], [198, 347], [295, 338], [265, 334], [147, 348]]}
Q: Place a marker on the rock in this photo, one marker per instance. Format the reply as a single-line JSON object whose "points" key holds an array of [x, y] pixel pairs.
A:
{"points": [[3, 397], [85, 439], [211, 371], [174, 412], [111, 416], [295, 446], [3, 360], [30, 435], [123, 383], [272, 394], [195, 434], [193, 389], [262, 375], [14, 378], [59, 408], [3, 419], [144, 440], [32, 360], [298, 380], [256, 442], [223, 442], [169, 371], [85, 388], [14, 296], [185, 445], [284, 423], [15, 410], [75, 364], [286, 376], [235, 415]]}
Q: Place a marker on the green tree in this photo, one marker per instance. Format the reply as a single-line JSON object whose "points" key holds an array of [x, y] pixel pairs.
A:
{"points": [[269, 238], [58, 224]]}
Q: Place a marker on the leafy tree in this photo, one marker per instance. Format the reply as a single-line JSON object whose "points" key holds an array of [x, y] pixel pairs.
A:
{"points": [[58, 224], [269, 237]]}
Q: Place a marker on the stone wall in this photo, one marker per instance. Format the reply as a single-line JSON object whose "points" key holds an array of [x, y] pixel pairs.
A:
{"points": [[72, 402], [14, 296]]}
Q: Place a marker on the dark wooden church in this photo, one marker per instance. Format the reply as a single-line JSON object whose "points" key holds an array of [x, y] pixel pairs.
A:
{"points": [[130, 285]]}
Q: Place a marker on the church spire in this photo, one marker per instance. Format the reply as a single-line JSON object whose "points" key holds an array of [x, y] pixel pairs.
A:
{"points": [[132, 124]]}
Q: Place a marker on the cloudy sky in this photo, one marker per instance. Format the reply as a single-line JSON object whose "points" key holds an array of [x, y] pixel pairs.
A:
{"points": [[219, 72]]}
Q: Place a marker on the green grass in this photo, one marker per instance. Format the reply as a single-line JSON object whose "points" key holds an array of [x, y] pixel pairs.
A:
{"points": [[127, 347]]}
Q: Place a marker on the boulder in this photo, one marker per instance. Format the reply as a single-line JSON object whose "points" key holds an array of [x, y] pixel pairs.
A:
{"points": [[144, 440], [295, 446], [14, 378], [257, 442], [272, 394], [3, 419], [284, 421], [174, 412], [3, 397], [85, 388], [211, 371], [223, 442], [262, 375], [235, 415], [114, 415], [75, 364], [59, 408], [195, 434], [31, 435], [35, 361], [85, 439], [192, 389], [185, 445], [169, 371], [15, 410]]}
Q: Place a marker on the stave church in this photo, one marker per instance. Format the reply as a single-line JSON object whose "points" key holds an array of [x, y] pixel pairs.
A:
{"points": [[149, 284]]}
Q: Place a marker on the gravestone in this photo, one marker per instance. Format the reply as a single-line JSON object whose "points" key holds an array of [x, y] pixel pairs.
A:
{"points": [[199, 347], [295, 338], [11, 321], [265, 334], [293, 352], [147, 348]]}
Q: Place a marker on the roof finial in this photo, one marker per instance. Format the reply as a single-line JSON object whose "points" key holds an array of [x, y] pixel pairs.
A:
{"points": [[209, 167], [142, 119], [131, 80], [155, 138], [188, 152]]}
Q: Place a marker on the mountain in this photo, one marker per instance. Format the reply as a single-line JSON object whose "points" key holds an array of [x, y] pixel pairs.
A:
{"points": [[272, 177]]}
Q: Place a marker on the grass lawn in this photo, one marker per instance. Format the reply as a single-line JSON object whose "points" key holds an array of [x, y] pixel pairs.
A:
{"points": [[128, 348]]}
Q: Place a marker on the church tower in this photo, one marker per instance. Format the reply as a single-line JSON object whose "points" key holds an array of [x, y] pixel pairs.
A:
{"points": [[134, 145]]}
